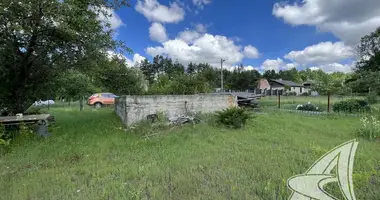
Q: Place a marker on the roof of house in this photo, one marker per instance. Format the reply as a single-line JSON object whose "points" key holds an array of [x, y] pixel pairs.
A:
{"points": [[289, 83], [263, 84]]}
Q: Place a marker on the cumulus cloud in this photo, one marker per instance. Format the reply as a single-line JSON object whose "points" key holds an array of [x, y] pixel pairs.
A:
{"points": [[201, 28], [157, 32], [275, 65], [290, 66], [334, 67], [245, 68], [137, 58], [322, 53], [349, 20], [251, 52], [156, 12], [205, 48], [109, 16], [189, 36]]}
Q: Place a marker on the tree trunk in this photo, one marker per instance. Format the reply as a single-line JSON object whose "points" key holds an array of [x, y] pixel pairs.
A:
{"points": [[81, 103]]}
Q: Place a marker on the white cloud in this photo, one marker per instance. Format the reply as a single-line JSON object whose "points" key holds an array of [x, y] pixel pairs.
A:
{"points": [[322, 53], [206, 48], [272, 64], [157, 32], [137, 58], [290, 66], [334, 67], [251, 52], [245, 68], [189, 36], [156, 12], [349, 20], [201, 28], [201, 3], [109, 16]]}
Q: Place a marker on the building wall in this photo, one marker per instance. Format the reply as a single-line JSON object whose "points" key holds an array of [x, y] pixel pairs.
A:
{"points": [[132, 109]]}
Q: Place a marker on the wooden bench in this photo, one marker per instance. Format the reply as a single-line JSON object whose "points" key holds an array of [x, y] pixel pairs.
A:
{"points": [[42, 122]]}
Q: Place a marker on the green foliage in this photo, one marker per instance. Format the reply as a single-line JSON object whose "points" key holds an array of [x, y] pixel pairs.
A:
{"points": [[42, 39], [4, 139], [74, 84], [305, 94], [369, 52], [370, 128], [117, 78], [34, 110], [232, 117], [351, 106], [372, 98], [181, 84]]}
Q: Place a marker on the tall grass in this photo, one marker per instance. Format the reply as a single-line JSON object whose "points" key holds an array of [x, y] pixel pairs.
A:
{"points": [[92, 156]]}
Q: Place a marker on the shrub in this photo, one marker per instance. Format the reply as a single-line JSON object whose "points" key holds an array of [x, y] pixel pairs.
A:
{"points": [[351, 106], [4, 139], [305, 94], [370, 128], [232, 117], [372, 98], [307, 107]]}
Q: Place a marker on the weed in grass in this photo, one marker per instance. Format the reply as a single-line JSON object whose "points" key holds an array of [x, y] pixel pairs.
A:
{"points": [[370, 128]]}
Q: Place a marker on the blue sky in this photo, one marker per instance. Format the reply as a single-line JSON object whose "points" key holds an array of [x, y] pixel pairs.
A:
{"points": [[302, 34]]}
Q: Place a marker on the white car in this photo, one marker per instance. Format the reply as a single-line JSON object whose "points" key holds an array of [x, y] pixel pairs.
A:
{"points": [[43, 103]]}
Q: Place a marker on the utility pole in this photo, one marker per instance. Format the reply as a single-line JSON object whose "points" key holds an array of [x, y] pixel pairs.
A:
{"points": [[221, 73]]}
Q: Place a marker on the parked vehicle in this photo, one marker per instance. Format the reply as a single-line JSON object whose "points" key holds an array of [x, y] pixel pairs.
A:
{"points": [[101, 99], [43, 103]]}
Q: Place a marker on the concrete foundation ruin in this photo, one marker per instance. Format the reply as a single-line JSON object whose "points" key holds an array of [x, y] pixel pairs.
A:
{"points": [[133, 109]]}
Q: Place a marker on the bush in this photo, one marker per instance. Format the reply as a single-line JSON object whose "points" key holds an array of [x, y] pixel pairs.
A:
{"points": [[307, 107], [372, 98], [305, 94], [232, 117], [370, 128], [351, 106]]}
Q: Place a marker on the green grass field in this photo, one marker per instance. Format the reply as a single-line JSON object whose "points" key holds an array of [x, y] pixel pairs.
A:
{"points": [[91, 156]]}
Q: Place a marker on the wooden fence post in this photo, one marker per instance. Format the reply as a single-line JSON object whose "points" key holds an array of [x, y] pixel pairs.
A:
{"points": [[279, 100], [328, 102]]}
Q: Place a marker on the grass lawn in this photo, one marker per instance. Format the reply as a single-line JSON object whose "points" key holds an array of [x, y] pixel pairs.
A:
{"points": [[91, 156]]}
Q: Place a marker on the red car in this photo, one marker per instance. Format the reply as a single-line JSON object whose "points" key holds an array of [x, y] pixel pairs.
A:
{"points": [[100, 99]]}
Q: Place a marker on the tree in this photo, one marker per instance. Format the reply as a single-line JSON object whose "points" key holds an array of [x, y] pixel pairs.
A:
{"points": [[326, 84], [291, 75], [73, 84], [369, 52], [270, 74], [41, 39], [117, 78]]}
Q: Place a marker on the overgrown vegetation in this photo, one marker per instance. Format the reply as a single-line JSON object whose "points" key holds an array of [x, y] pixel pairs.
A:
{"points": [[91, 156], [370, 128], [232, 117]]}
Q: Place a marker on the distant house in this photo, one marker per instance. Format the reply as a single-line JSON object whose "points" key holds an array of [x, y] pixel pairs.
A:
{"points": [[280, 86]]}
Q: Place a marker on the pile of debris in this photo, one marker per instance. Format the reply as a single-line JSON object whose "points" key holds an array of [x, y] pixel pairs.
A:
{"points": [[183, 120]]}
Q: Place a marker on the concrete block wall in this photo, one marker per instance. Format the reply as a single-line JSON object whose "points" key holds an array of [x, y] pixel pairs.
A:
{"points": [[132, 109]]}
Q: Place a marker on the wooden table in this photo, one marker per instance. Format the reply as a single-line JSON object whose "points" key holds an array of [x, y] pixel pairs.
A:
{"points": [[41, 121]]}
